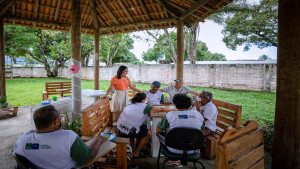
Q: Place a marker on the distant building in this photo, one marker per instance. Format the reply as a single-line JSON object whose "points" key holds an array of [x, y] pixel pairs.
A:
{"points": [[20, 61]]}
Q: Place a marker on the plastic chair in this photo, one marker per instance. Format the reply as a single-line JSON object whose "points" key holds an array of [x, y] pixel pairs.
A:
{"points": [[23, 162], [182, 139]]}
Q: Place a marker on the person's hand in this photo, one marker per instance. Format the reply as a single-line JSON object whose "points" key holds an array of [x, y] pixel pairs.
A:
{"points": [[103, 97], [166, 103]]}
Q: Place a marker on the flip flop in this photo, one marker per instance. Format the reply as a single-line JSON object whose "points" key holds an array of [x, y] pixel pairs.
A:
{"points": [[175, 164]]}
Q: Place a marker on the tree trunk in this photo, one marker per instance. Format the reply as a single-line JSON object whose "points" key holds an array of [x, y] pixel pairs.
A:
{"points": [[174, 55], [194, 44], [168, 53]]}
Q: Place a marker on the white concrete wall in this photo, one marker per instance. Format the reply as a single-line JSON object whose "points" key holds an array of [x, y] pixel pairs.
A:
{"points": [[244, 75]]}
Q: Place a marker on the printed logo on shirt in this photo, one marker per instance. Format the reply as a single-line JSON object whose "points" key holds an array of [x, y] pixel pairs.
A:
{"points": [[192, 116], [46, 146], [182, 116], [32, 146]]}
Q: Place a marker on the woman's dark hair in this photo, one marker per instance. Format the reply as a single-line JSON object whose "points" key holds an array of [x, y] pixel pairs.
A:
{"points": [[44, 116], [120, 71], [182, 101], [138, 98]]}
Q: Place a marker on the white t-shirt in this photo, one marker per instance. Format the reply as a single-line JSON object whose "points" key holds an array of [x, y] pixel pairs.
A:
{"points": [[187, 118], [172, 91], [154, 98], [47, 150], [132, 117], [210, 112]]}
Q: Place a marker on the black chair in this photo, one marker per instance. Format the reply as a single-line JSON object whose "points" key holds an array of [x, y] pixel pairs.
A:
{"points": [[183, 139], [23, 162]]}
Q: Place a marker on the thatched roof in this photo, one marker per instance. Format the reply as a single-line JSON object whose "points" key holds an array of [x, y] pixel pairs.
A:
{"points": [[109, 16]]}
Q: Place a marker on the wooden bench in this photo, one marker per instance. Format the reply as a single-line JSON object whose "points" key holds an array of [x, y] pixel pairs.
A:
{"points": [[96, 119], [241, 148], [229, 115], [52, 86], [12, 110]]}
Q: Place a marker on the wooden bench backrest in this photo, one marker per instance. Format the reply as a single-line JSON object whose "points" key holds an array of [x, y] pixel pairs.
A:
{"points": [[229, 115], [52, 86], [96, 118], [241, 148]]}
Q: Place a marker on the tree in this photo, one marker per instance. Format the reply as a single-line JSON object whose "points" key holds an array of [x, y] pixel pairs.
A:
{"points": [[162, 50], [115, 48], [249, 24], [35, 43], [264, 57]]}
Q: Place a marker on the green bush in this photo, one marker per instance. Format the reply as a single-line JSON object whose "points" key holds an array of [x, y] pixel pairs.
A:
{"points": [[75, 125], [3, 99], [268, 130]]}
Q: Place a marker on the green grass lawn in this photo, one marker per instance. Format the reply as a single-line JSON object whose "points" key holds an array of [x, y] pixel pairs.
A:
{"points": [[259, 106]]}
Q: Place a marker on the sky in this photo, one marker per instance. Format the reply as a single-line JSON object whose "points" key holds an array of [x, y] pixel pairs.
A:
{"points": [[210, 33]]}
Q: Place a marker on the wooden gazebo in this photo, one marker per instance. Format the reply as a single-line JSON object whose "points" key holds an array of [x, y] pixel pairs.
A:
{"points": [[102, 17]]}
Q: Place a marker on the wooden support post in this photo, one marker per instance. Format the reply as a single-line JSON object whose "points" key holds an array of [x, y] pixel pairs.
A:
{"points": [[2, 60], [286, 144], [76, 56], [96, 61], [180, 50]]}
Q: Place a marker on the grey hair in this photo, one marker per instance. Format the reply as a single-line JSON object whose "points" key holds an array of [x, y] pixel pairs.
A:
{"points": [[208, 95]]}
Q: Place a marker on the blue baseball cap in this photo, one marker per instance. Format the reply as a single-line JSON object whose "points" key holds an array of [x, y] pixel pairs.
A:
{"points": [[156, 83]]}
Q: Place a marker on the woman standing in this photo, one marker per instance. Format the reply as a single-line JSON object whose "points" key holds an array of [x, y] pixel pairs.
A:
{"points": [[120, 98]]}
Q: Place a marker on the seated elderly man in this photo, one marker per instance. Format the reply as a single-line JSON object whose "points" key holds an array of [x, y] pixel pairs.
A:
{"points": [[154, 96], [209, 111], [49, 147], [177, 88]]}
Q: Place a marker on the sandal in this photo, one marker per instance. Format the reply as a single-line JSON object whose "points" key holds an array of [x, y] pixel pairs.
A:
{"points": [[174, 163]]}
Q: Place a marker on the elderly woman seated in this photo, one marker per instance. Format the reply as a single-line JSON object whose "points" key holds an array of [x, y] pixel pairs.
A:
{"points": [[209, 111], [130, 123]]}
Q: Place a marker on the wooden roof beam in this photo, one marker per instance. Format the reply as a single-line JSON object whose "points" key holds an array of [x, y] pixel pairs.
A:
{"points": [[56, 11], [192, 9], [38, 21], [14, 12], [182, 9], [5, 5], [110, 13], [215, 7], [168, 8], [173, 12], [146, 12], [36, 11], [94, 15], [127, 13], [138, 24]]}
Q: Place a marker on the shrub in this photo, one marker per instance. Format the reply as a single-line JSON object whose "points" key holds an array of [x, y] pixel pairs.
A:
{"points": [[268, 131], [75, 125], [3, 99]]}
